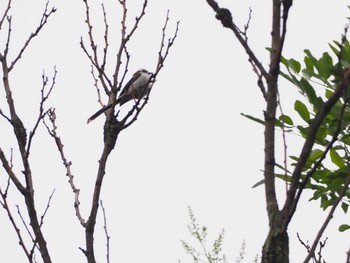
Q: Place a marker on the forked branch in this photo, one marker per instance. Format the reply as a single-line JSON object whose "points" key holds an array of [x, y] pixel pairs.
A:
{"points": [[111, 86]]}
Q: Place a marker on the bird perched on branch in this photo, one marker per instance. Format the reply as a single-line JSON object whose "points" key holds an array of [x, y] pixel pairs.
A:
{"points": [[137, 87]]}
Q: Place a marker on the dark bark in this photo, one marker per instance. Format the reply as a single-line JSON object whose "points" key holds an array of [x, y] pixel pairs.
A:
{"points": [[112, 129], [26, 190], [276, 247]]}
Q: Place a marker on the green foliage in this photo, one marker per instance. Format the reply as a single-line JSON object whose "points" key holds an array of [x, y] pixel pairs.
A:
{"points": [[316, 80], [320, 75], [343, 227], [302, 110], [213, 255], [205, 254]]}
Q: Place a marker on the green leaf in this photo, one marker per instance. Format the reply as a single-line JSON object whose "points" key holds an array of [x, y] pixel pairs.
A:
{"points": [[304, 131], [308, 64], [336, 159], [309, 91], [286, 119], [343, 227], [325, 66], [282, 168], [253, 118], [326, 202], [284, 61], [259, 183], [315, 154], [345, 207], [285, 178], [294, 158], [334, 48], [321, 135], [312, 60], [302, 110], [286, 76], [328, 93], [294, 65], [307, 73]]}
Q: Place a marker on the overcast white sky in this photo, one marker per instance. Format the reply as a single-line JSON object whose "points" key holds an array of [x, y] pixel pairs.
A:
{"points": [[189, 147]]}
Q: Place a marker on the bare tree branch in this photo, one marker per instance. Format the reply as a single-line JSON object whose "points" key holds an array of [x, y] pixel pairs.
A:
{"points": [[31, 253], [113, 126], [284, 139], [7, 45], [44, 97], [125, 37], [342, 193], [46, 14], [162, 55], [27, 189], [106, 231], [67, 164], [224, 15], [99, 99], [347, 256], [5, 205], [11, 174], [7, 9]]}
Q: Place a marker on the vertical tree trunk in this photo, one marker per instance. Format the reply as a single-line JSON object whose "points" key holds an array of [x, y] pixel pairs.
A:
{"points": [[276, 247]]}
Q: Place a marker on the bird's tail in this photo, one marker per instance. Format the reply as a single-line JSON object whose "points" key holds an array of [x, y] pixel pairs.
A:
{"points": [[99, 112]]}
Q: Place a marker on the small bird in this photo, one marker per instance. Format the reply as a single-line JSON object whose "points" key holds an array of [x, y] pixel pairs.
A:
{"points": [[137, 87]]}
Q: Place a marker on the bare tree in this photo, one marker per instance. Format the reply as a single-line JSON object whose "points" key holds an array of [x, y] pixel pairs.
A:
{"points": [[109, 82], [24, 140]]}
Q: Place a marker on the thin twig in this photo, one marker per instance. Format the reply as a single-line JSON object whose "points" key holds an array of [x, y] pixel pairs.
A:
{"points": [[43, 21], [162, 55], [328, 219], [42, 221], [225, 17], [322, 245], [106, 231], [246, 26], [47, 208], [291, 202], [12, 220], [347, 256], [105, 49], [24, 223], [7, 166], [5, 13], [67, 164], [99, 99], [105, 81], [7, 46], [125, 37], [285, 153], [44, 97], [324, 154]]}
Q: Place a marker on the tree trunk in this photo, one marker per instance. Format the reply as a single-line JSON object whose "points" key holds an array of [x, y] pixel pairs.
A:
{"points": [[276, 247]]}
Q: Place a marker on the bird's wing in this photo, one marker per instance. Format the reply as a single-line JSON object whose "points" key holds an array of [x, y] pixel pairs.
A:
{"points": [[130, 82]]}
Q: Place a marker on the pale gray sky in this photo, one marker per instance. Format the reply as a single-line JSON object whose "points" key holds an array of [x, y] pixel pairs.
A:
{"points": [[190, 146]]}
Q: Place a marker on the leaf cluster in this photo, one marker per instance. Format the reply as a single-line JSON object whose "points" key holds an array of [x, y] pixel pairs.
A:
{"points": [[316, 79]]}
